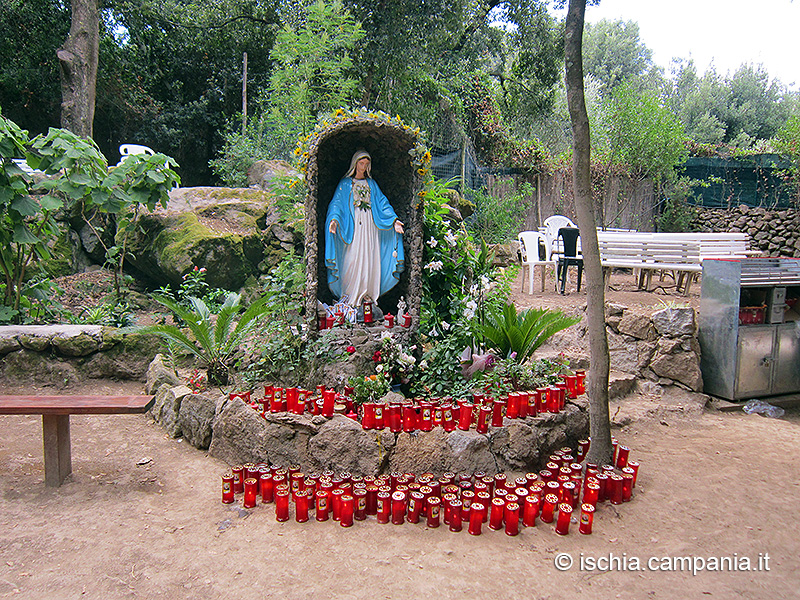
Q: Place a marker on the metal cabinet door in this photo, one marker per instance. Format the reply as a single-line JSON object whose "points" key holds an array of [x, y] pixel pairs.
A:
{"points": [[787, 360], [754, 360]]}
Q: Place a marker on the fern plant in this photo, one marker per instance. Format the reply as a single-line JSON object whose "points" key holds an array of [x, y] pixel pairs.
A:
{"points": [[518, 336], [212, 340]]}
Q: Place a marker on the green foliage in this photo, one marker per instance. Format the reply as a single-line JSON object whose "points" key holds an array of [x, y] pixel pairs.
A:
{"points": [[368, 389], [497, 220], [643, 134], [439, 371], [214, 338], [509, 375], [110, 314], [677, 213], [517, 336], [787, 142], [194, 285], [313, 71], [79, 178]]}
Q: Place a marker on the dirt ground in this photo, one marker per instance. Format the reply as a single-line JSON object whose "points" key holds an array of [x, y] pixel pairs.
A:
{"points": [[141, 517]]}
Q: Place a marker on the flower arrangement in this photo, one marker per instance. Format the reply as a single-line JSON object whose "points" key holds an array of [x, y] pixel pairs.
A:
{"points": [[394, 361]]}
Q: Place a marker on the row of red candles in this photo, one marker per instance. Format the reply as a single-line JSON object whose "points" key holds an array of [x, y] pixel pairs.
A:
{"points": [[423, 415], [338, 318], [560, 488]]}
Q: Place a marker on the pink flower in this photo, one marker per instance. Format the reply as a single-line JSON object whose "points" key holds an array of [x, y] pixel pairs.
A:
{"points": [[350, 349]]}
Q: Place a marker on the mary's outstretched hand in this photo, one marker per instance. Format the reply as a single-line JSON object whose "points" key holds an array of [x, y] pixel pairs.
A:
{"points": [[398, 226], [332, 227]]}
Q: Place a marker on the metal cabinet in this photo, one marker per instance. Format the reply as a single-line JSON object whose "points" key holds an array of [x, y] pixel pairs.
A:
{"points": [[743, 361]]}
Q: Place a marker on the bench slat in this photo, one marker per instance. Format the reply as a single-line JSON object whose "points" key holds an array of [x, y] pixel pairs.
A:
{"points": [[74, 405]]}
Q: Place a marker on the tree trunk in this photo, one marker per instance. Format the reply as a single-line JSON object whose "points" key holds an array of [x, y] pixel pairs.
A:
{"points": [[78, 59], [599, 424]]}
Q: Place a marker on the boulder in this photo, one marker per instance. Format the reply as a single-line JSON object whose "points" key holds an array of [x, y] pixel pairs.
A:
{"points": [[421, 452], [228, 231], [167, 406], [196, 419], [159, 374], [26, 366], [342, 445], [468, 452], [637, 325], [675, 321], [682, 366]]}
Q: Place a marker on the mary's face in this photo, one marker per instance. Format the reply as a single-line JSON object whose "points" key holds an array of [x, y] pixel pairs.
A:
{"points": [[361, 167]]}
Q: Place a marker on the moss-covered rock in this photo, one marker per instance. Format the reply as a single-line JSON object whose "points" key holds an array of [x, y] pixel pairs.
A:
{"points": [[229, 231]]}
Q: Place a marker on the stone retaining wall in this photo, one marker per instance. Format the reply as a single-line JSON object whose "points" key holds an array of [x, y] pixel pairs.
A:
{"points": [[62, 355], [776, 233], [235, 433]]}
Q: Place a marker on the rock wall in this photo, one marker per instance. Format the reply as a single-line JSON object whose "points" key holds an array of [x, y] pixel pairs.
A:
{"points": [[775, 233], [235, 433], [61, 355]]}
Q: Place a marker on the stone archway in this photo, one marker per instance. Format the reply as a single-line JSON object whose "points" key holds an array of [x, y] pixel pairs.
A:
{"points": [[396, 166]]}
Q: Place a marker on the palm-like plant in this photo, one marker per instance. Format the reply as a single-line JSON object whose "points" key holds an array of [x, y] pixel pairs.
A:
{"points": [[212, 340], [508, 332]]}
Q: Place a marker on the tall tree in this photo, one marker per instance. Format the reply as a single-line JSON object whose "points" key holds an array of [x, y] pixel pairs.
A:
{"points": [[78, 58], [599, 423]]}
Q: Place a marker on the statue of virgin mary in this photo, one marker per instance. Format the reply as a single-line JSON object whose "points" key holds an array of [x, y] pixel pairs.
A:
{"points": [[363, 237]]}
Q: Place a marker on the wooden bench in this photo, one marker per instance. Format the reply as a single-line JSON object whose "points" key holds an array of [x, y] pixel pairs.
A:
{"points": [[55, 411]]}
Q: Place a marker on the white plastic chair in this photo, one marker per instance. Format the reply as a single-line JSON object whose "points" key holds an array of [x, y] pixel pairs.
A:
{"points": [[126, 150], [550, 230], [529, 252]]}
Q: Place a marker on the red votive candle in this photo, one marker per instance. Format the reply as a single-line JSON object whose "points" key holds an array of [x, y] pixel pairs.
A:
{"points": [[581, 382], [622, 456], [415, 503], [591, 493], [483, 419], [434, 505], [496, 513], [512, 405], [282, 503], [238, 479], [227, 488], [572, 386], [372, 499], [267, 488], [583, 449], [368, 416], [301, 506], [426, 416], [336, 503], [323, 505], [367, 311], [409, 418], [530, 510], [465, 416], [564, 517], [347, 509], [500, 481], [398, 508], [522, 405], [587, 517], [384, 507], [605, 486], [475, 518], [497, 413], [328, 402], [512, 518], [388, 320], [627, 487], [548, 507], [543, 399], [634, 465], [615, 481], [359, 503], [292, 400], [394, 414], [447, 418], [453, 514], [406, 320], [380, 415], [569, 493], [437, 416]]}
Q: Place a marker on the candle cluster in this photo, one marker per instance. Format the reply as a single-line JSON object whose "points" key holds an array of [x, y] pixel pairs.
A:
{"points": [[479, 411], [563, 487]]}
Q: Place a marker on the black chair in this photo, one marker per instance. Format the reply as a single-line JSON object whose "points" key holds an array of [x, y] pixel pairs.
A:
{"points": [[569, 238]]}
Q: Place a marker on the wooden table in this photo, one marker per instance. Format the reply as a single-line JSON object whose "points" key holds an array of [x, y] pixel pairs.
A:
{"points": [[55, 411]]}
